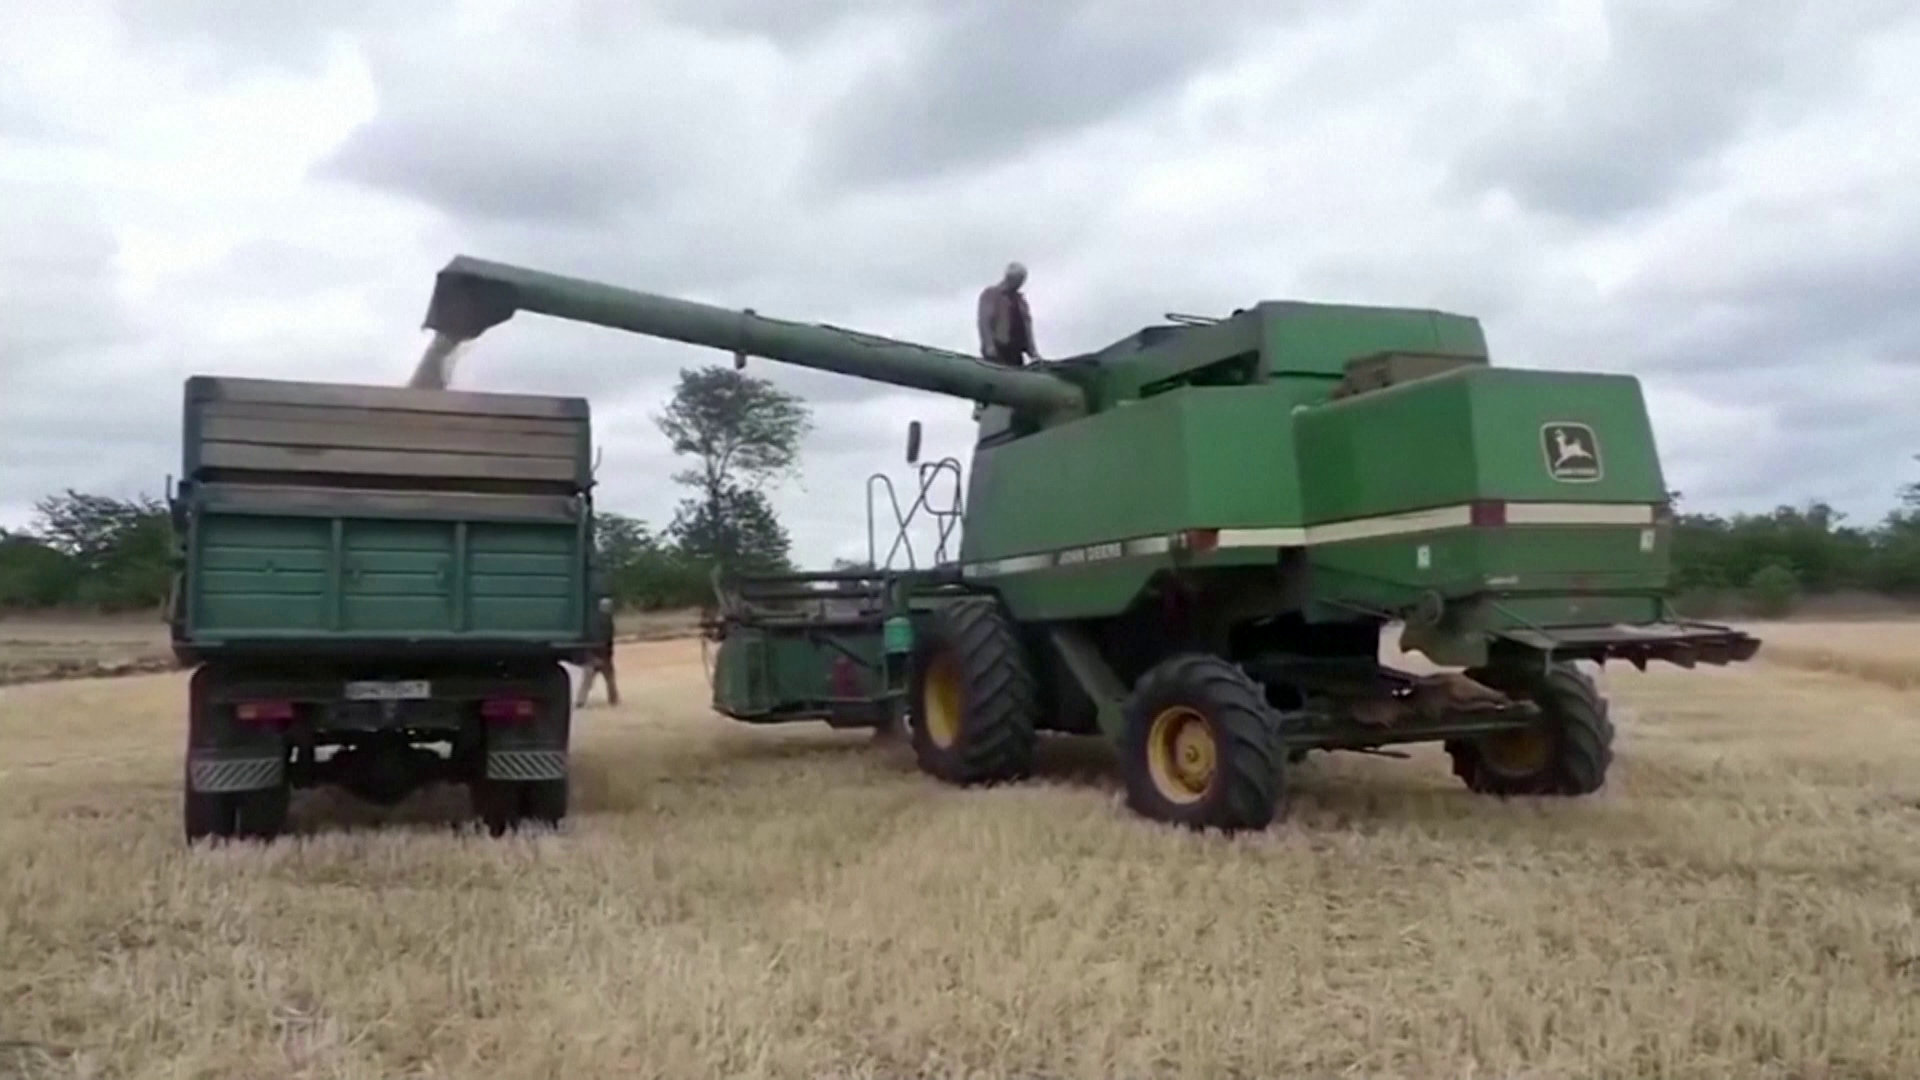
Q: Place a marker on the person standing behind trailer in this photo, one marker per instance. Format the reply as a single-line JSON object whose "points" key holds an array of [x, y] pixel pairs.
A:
{"points": [[599, 661], [1006, 326]]}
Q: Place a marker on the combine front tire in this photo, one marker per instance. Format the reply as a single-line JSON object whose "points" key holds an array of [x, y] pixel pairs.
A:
{"points": [[975, 703], [1567, 752], [1201, 747]]}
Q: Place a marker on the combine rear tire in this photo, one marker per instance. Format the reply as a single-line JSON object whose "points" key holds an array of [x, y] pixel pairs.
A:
{"points": [[1567, 753], [1201, 747], [975, 704]]}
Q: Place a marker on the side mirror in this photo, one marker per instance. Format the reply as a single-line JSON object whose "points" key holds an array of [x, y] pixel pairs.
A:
{"points": [[913, 442]]}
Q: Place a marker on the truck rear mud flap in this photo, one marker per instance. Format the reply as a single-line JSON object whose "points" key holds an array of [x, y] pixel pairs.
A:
{"points": [[525, 764], [216, 774], [1684, 644]]}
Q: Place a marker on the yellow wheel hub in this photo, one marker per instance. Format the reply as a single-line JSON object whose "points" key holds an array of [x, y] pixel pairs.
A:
{"points": [[1181, 754], [940, 701], [1521, 752]]}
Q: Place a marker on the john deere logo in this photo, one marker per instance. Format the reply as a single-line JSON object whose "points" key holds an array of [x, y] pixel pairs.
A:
{"points": [[1573, 454]]}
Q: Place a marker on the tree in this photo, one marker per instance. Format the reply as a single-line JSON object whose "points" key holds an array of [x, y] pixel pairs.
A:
{"points": [[619, 541], [738, 531], [743, 432], [1773, 590], [121, 549], [94, 528], [642, 569], [33, 574]]}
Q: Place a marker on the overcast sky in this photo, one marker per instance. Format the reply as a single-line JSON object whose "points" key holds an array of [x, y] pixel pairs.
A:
{"points": [[1719, 196]]}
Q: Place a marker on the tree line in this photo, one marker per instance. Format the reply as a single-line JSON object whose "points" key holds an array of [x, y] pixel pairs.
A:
{"points": [[740, 434], [1764, 564]]}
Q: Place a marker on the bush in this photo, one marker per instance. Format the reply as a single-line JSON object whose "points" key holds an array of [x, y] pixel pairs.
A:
{"points": [[1773, 590], [1701, 603]]}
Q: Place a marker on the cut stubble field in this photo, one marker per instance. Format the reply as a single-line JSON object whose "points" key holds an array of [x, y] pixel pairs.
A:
{"points": [[1739, 902]]}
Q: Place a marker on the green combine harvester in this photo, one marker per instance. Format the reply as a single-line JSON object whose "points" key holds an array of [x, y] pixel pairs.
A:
{"points": [[1189, 541]]}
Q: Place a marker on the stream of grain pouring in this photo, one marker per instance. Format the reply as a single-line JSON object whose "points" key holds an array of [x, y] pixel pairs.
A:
{"points": [[435, 369]]}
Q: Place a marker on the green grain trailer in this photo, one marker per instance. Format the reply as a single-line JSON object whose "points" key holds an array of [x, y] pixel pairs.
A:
{"points": [[1189, 542], [377, 588]]}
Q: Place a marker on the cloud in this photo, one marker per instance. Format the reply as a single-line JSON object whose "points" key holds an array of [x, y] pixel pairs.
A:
{"points": [[979, 82], [224, 39], [1708, 196], [1670, 84], [795, 23]]}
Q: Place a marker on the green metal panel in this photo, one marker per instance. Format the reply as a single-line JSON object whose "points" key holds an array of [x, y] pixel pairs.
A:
{"points": [[1470, 434], [524, 578], [282, 576], [1254, 458], [1322, 338], [740, 673], [788, 664], [1402, 448], [261, 574], [1196, 457], [1543, 559]]}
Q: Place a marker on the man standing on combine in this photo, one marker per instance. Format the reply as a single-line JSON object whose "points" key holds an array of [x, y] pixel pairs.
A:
{"points": [[600, 660], [1006, 326]]}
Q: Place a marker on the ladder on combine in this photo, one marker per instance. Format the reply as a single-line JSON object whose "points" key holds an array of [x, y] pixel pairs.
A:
{"points": [[946, 518], [842, 597], [813, 644]]}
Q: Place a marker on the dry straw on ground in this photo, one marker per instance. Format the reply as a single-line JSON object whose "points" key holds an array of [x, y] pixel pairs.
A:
{"points": [[731, 902]]}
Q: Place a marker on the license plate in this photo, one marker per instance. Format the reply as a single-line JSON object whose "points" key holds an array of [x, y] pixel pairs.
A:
{"points": [[404, 690]]}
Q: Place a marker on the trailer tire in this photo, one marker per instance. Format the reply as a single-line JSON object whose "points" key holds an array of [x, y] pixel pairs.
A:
{"points": [[207, 815], [1203, 712], [975, 703], [238, 815], [258, 814], [545, 802], [504, 805], [1567, 754], [262, 815]]}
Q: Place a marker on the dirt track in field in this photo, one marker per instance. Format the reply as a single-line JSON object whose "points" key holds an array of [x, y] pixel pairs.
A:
{"points": [[1740, 902]]}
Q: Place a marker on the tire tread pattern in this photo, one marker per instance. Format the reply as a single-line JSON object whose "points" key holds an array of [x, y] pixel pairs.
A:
{"points": [[999, 696], [1581, 722], [1247, 756]]}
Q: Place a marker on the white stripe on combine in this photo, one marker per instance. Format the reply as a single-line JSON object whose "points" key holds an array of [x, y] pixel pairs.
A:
{"points": [[1579, 514], [1372, 528], [1368, 528]]}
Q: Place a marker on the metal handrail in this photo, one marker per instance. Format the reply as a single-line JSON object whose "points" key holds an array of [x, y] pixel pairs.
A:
{"points": [[947, 519]]}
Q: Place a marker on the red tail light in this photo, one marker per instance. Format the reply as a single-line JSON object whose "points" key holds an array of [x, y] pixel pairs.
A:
{"points": [[507, 709], [1488, 513], [264, 712], [846, 681], [1202, 541]]}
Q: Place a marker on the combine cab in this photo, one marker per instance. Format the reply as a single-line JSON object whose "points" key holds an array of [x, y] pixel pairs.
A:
{"points": [[1189, 542]]}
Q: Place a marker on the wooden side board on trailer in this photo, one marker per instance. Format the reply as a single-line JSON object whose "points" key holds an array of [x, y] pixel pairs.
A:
{"points": [[337, 430]]}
